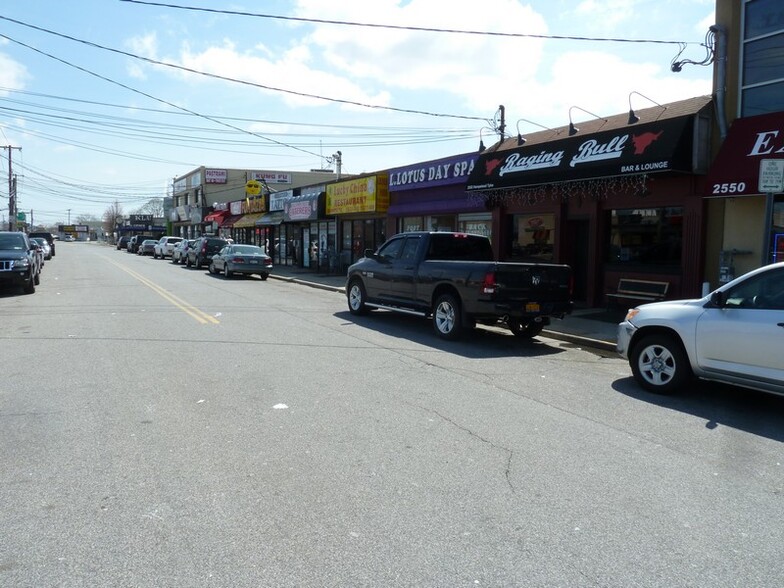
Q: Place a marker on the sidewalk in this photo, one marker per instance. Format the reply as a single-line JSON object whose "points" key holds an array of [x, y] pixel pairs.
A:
{"points": [[592, 327]]}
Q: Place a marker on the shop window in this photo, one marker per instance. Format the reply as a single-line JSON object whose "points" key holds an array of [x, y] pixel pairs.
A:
{"points": [[411, 223], [533, 237], [441, 223], [646, 236]]}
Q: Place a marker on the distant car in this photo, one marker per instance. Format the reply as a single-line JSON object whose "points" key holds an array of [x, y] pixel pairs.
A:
{"points": [[18, 261], [122, 242], [165, 246], [47, 249], [734, 335], [147, 247], [135, 241], [201, 252], [180, 250], [50, 238], [70, 238], [241, 259]]}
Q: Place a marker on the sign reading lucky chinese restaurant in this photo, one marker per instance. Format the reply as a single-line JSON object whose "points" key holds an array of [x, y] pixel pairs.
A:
{"points": [[368, 194]]}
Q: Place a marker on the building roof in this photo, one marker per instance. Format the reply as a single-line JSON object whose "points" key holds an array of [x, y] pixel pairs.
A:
{"points": [[677, 109]]}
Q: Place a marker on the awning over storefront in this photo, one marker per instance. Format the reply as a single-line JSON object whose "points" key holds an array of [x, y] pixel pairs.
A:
{"points": [[228, 221], [248, 220], [216, 216], [454, 206], [736, 169], [659, 146], [271, 218]]}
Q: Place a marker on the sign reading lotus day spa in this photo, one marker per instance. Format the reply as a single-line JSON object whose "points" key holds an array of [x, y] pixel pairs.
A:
{"points": [[370, 194]]}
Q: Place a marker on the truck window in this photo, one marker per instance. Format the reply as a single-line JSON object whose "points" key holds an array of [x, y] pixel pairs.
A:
{"points": [[459, 247], [410, 248]]}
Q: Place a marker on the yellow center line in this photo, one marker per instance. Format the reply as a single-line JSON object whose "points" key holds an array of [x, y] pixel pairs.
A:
{"points": [[188, 309]]}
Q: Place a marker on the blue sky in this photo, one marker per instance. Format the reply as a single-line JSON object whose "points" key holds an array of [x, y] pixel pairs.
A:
{"points": [[97, 124]]}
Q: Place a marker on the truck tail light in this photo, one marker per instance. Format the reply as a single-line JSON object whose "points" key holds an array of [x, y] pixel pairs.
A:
{"points": [[489, 285]]}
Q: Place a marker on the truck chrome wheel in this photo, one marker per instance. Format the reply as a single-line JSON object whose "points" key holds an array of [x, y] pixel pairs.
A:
{"points": [[356, 298], [446, 317]]}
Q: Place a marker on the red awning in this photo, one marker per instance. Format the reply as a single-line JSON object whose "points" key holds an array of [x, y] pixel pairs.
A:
{"points": [[216, 216], [228, 221], [736, 169]]}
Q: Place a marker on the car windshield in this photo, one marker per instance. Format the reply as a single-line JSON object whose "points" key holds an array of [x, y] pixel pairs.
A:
{"points": [[15, 242], [247, 250]]}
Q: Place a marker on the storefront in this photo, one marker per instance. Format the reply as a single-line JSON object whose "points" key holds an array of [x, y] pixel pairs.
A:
{"points": [[623, 201], [753, 208], [431, 196], [360, 205]]}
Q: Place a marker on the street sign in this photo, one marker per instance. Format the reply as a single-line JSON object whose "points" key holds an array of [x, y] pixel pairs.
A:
{"points": [[20, 216], [771, 176]]}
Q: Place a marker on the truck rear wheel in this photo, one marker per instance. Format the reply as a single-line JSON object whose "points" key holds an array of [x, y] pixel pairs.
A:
{"points": [[446, 317]]}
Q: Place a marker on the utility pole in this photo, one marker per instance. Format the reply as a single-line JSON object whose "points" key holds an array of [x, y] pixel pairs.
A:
{"points": [[69, 216], [11, 190]]}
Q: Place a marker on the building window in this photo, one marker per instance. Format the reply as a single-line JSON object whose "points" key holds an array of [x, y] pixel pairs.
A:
{"points": [[763, 61], [409, 224], [646, 236], [533, 237]]}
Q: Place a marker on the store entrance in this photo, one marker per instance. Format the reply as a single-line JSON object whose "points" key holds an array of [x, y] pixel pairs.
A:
{"points": [[576, 247]]}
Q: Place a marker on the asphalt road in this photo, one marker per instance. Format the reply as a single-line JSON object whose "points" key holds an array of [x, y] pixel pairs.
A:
{"points": [[163, 427]]}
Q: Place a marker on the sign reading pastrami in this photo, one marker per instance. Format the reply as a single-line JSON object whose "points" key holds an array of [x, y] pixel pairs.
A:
{"points": [[660, 146], [441, 172]]}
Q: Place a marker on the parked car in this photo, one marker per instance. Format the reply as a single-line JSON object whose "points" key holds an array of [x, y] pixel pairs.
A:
{"points": [[50, 238], [147, 247], [18, 261], [241, 259], [135, 241], [70, 238], [122, 242], [201, 252], [180, 251], [47, 249], [734, 335], [165, 246]]}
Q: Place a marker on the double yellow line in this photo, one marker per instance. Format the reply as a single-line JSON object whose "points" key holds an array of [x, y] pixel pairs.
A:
{"points": [[195, 313]]}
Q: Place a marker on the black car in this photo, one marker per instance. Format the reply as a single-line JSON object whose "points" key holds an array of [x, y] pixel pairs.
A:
{"points": [[135, 241], [203, 249], [122, 242], [46, 235], [18, 261]]}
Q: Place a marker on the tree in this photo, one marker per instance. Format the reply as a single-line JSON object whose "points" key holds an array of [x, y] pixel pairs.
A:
{"points": [[154, 206], [112, 217]]}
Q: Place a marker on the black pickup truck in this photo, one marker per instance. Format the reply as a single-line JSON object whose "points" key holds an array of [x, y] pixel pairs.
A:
{"points": [[453, 279]]}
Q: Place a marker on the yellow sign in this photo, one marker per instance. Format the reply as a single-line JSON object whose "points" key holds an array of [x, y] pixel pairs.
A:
{"points": [[253, 188], [369, 194]]}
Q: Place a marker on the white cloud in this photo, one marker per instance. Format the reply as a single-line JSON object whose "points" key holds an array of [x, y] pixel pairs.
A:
{"points": [[13, 74]]}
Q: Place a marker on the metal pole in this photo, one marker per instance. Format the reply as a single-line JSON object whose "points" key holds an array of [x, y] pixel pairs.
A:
{"points": [[769, 200]]}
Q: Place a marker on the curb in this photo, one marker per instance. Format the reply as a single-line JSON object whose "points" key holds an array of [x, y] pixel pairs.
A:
{"points": [[568, 337]]}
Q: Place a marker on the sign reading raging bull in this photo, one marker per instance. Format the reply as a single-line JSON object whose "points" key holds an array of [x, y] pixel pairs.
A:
{"points": [[655, 147]]}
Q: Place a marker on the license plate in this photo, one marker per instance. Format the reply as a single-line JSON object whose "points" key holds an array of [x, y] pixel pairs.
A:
{"points": [[255, 261], [532, 307]]}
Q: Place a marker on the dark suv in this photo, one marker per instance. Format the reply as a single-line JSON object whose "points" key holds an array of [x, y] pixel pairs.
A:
{"points": [[135, 241], [45, 235], [201, 252], [18, 261]]}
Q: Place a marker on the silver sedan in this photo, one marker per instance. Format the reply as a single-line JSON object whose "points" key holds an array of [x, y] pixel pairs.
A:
{"points": [[241, 259]]}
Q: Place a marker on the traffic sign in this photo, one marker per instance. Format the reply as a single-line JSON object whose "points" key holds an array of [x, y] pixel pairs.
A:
{"points": [[771, 176]]}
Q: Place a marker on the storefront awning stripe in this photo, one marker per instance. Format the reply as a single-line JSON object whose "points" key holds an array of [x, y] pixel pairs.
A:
{"points": [[271, 218], [248, 220], [228, 221], [736, 169], [455, 206]]}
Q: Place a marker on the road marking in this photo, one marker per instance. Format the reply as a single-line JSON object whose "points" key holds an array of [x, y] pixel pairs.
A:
{"points": [[188, 309]]}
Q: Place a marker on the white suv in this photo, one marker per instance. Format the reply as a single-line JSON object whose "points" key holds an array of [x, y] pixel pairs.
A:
{"points": [[734, 335], [165, 246]]}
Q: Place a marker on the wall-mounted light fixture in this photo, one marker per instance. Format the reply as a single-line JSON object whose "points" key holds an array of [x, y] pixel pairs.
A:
{"points": [[573, 130], [520, 138], [633, 118], [481, 143]]}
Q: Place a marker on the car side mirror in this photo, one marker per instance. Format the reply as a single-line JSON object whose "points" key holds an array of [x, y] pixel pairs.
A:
{"points": [[369, 253], [717, 299]]}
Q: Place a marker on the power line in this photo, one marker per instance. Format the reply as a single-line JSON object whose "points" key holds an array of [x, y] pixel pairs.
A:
{"points": [[405, 28]]}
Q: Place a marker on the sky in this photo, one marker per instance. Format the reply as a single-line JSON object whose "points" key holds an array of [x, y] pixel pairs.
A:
{"points": [[109, 100]]}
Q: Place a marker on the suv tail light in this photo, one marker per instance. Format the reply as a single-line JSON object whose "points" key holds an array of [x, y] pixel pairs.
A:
{"points": [[489, 285]]}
